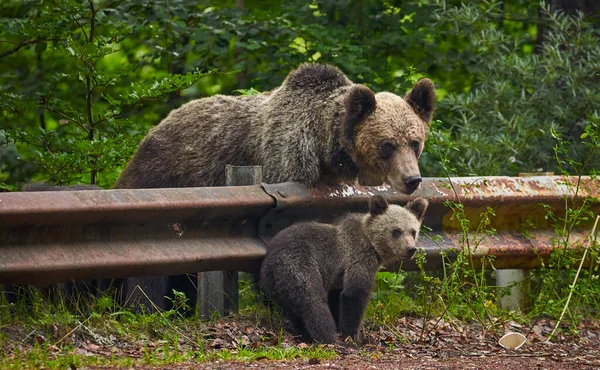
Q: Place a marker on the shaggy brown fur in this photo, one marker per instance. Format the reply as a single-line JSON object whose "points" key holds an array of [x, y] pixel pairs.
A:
{"points": [[321, 275], [317, 126]]}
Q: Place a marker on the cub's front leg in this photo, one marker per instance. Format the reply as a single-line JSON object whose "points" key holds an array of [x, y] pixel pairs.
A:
{"points": [[353, 304]]}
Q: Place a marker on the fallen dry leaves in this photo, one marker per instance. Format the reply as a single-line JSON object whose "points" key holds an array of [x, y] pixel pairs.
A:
{"points": [[410, 343]]}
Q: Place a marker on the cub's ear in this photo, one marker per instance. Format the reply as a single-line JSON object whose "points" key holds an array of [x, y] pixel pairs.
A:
{"points": [[377, 205], [359, 103], [422, 99], [418, 207]]}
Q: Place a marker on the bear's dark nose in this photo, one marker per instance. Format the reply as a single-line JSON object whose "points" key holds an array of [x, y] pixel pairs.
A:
{"points": [[412, 183], [411, 251]]}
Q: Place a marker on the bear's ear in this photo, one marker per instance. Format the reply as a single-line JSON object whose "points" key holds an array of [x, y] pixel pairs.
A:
{"points": [[422, 99], [418, 207], [377, 205], [359, 103]]}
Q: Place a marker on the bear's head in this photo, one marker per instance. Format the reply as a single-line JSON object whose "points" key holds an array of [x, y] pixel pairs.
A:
{"points": [[385, 134], [393, 230]]}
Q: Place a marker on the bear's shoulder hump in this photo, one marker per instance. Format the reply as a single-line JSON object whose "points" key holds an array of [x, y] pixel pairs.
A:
{"points": [[317, 77]]}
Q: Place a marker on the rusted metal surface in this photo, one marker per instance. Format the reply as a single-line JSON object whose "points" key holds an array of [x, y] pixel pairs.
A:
{"points": [[509, 249], [516, 201], [472, 191], [47, 263], [65, 207], [48, 237]]}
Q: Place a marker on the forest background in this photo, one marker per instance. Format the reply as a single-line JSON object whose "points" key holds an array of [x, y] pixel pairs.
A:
{"points": [[82, 82]]}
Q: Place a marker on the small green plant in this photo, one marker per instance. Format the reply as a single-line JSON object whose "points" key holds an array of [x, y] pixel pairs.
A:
{"points": [[390, 299], [561, 286], [461, 290], [562, 289], [179, 303]]}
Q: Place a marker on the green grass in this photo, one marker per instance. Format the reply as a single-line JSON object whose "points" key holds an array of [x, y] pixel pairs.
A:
{"points": [[66, 356], [37, 332]]}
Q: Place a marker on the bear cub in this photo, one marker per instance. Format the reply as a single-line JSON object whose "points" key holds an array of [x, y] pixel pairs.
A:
{"points": [[321, 275]]}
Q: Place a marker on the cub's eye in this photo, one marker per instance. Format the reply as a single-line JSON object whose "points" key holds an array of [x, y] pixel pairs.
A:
{"points": [[414, 233], [396, 233], [416, 147], [387, 149]]}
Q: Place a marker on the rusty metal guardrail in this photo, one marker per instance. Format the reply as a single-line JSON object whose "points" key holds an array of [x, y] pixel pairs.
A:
{"points": [[523, 235], [49, 237]]}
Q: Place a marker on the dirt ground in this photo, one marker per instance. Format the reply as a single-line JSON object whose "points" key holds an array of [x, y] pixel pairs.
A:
{"points": [[411, 344], [542, 356]]}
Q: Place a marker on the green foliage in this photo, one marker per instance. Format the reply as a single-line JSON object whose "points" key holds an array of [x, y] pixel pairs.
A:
{"points": [[390, 299], [506, 121], [84, 81], [79, 78]]}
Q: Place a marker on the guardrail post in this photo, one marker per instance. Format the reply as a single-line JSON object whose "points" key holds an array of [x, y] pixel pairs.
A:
{"points": [[518, 281], [219, 289]]}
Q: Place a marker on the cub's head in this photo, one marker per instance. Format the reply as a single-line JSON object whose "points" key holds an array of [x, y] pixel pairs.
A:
{"points": [[392, 229], [384, 134]]}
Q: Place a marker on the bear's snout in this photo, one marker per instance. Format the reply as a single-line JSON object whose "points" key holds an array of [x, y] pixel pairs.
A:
{"points": [[410, 251], [412, 183], [404, 175]]}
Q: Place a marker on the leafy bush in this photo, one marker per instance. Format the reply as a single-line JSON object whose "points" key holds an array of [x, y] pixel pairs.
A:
{"points": [[521, 100], [72, 98], [85, 81]]}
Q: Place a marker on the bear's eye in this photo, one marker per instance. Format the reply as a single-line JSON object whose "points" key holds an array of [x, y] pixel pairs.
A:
{"points": [[387, 149], [396, 233], [414, 234], [416, 146]]}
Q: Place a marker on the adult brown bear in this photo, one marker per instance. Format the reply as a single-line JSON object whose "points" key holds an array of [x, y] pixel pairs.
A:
{"points": [[317, 126]]}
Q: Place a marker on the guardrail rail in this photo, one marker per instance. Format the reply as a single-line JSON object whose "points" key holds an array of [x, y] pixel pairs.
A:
{"points": [[49, 237]]}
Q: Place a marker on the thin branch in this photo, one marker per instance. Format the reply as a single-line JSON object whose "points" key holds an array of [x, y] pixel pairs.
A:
{"points": [[23, 44], [102, 120], [77, 122], [73, 18]]}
